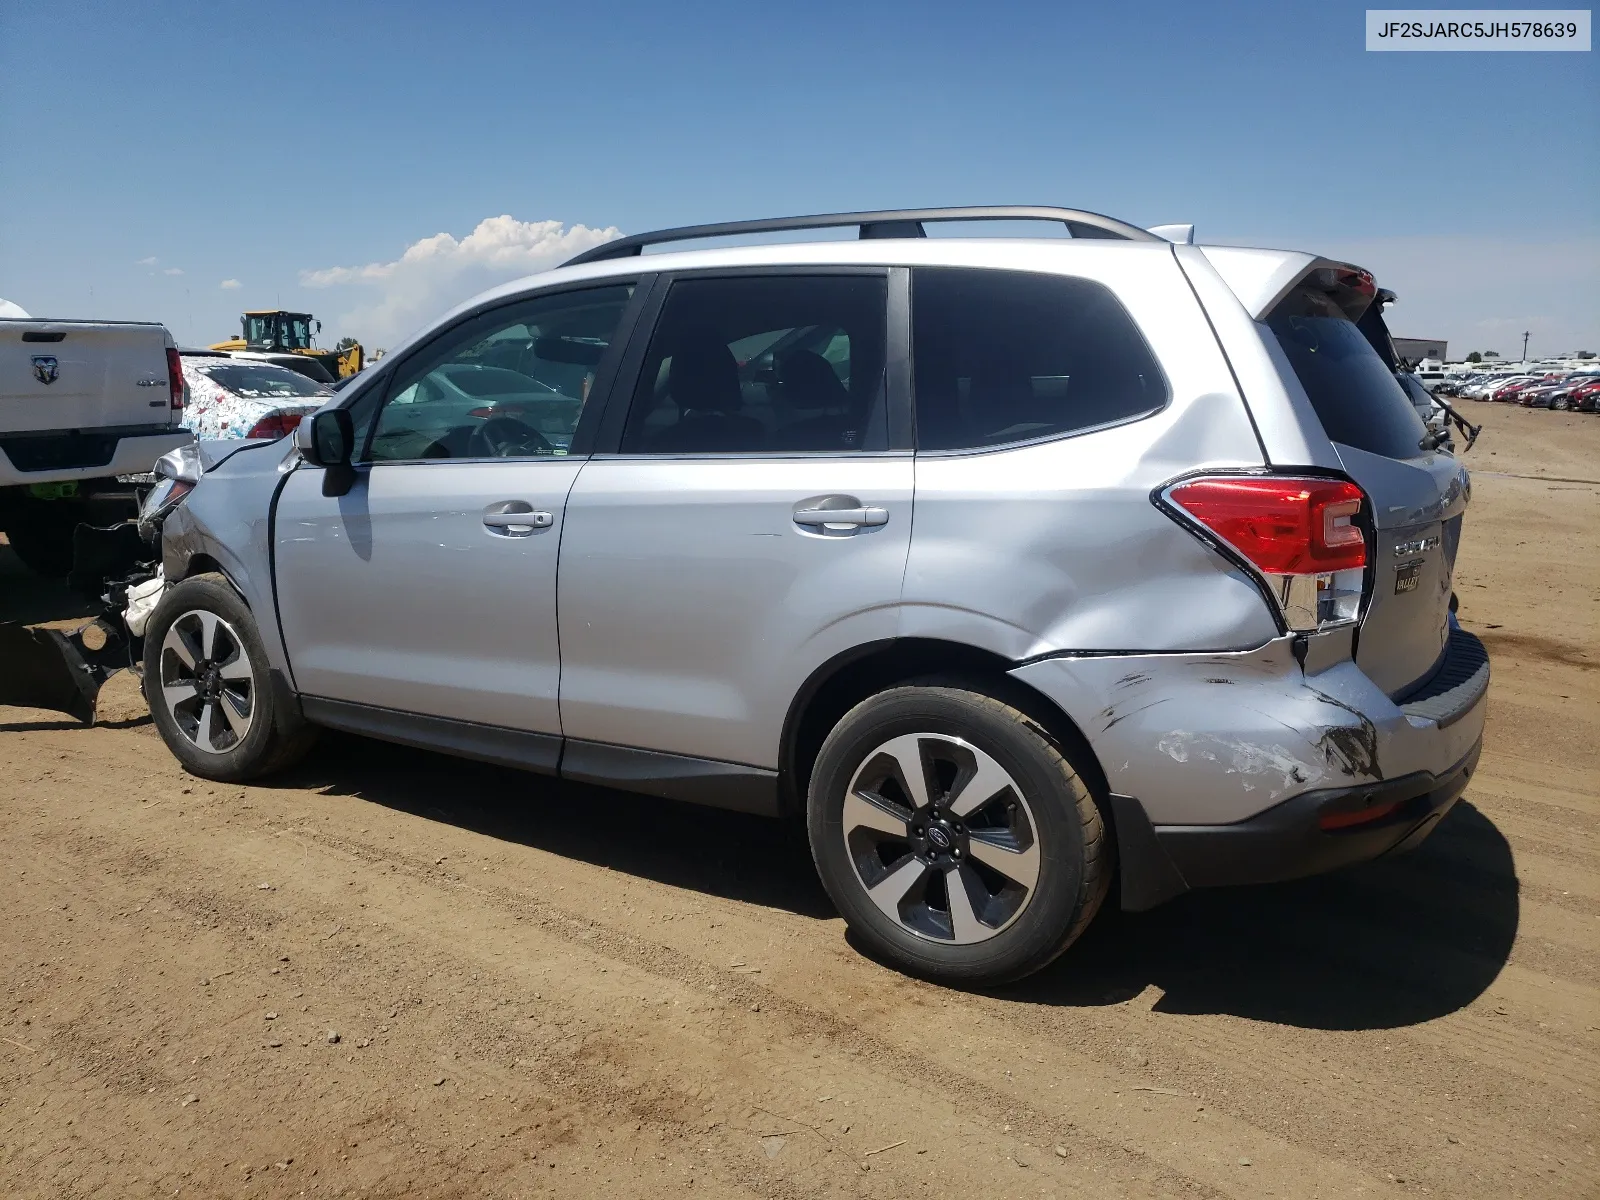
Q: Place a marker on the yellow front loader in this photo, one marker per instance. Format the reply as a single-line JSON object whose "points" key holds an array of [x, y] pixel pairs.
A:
{"points": [[291, 332]]}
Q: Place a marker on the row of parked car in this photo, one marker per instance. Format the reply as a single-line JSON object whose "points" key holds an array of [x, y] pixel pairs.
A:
{"points": [[1577, 391]]}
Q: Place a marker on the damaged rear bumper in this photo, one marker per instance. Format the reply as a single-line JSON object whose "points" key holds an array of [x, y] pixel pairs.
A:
{"points": [[1256, 765], [1306, 835]]}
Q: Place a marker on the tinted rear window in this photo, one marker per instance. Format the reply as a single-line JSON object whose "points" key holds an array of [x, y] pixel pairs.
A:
{"points": [[1357, 398], [1012, 356]]}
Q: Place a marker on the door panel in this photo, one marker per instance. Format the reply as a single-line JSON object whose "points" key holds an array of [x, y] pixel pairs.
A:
{"points": [[401, 595], [693, 605]]}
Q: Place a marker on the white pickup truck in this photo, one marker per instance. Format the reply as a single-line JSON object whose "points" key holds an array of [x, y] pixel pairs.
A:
{"points": [[85, 406]]}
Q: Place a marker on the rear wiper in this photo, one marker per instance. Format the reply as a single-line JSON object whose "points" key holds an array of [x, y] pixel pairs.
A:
{"points": [[1467, 428]]}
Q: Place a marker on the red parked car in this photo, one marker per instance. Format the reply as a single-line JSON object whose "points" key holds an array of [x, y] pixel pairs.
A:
{"points": [[1513, 390], [1585, 397]]}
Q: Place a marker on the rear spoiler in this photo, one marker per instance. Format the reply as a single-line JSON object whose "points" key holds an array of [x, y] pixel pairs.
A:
{"points": [[1261, 278]]}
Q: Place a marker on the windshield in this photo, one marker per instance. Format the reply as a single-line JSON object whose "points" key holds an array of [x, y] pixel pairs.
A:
{"points": [[278, 329], [256, 381], [1357, 397]]}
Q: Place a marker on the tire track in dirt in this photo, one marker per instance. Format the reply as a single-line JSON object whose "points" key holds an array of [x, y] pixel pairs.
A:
{"points": [[1378, 1115], [591, 938], [594, 935]]}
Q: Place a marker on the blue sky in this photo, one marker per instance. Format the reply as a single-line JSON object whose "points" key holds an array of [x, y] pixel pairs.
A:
{"points": [[142, 138]]}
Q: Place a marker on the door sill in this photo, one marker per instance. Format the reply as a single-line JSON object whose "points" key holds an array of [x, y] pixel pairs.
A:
{"points": [[672, 776], [652, 772], [519, 748]]}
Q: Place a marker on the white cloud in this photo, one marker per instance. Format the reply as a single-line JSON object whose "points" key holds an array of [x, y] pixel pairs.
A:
{"points": [[438, 272], [173, 271], [147, 262], [230, 285]]}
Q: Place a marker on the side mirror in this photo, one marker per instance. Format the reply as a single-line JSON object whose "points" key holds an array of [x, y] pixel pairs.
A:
{"points": [[319, 326], [328, 440]]}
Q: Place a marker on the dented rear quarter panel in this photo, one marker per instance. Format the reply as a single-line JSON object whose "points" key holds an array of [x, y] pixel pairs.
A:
{"points": [[1057, 546]]}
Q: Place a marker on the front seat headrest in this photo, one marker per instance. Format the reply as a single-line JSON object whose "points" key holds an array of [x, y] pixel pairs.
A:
{"points": [[809, 382], [703, 375]]}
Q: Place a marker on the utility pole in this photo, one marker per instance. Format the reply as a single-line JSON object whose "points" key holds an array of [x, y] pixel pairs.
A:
{"points": [[1524, 346]]}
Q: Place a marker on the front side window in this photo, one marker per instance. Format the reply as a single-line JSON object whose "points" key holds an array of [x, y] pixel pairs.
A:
{"points": [[764, 365], [508, 384], [1012, 356]]}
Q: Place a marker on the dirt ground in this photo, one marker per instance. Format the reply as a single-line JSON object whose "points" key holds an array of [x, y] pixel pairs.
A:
{"points": [[393, 974]]}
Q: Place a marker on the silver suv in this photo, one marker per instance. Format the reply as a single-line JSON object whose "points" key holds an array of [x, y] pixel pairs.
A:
{"points": [[1016, 566]]}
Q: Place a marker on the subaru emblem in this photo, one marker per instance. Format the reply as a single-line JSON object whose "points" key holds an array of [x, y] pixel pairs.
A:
{"points": [[45, 368]]}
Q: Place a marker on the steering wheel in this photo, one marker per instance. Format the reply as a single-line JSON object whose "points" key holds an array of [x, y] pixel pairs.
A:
{"points": [[507, 437]]}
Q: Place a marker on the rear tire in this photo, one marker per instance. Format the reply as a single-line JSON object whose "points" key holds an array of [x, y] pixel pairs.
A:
{"points": [[982, 872], [210, 689]]}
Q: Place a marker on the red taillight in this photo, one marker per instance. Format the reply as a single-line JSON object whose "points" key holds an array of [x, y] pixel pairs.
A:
{"points": [[174, 378], [1282, 526], [1359, 281], [275, 425]]}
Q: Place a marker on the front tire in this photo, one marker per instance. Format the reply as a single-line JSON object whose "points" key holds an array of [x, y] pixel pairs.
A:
{"points": [[955, 835], [209, 687]]}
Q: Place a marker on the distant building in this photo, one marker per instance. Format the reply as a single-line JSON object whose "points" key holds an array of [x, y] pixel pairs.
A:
{"points": [[1416, 349]]}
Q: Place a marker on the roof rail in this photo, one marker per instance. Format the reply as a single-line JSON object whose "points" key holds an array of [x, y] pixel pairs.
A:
{"points": [[888, 223]]}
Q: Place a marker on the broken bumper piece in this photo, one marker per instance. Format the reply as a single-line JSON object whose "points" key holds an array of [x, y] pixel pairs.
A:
{"points": [[55, 670], [63, 671]]}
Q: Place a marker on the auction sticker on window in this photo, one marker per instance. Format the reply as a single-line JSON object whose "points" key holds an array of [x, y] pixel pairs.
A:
{"points": [[1477, 29]]}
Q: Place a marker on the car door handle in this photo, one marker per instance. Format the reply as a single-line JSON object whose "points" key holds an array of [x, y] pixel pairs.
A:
{"points": [[866, 515], [519, 520]]}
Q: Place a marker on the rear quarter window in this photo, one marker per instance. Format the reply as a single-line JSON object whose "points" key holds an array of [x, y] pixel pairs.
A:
{"points": [[1013, 356], [1356, 397]]}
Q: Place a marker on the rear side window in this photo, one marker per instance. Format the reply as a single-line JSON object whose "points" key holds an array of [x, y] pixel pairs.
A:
{"points": [[260, 381], [764, 365], [1357, 398], [1012, 356]]}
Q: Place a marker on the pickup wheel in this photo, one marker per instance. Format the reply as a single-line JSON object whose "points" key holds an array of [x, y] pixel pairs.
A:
{"points": [[955, 835], [210, 691]]}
